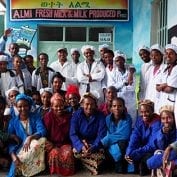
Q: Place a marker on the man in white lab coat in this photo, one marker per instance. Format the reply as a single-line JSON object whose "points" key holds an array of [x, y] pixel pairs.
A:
{"points": [[90, 73]]}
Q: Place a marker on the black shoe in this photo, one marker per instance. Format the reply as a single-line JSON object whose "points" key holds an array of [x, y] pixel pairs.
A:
{"points": [[118, 167], [143, 170]]}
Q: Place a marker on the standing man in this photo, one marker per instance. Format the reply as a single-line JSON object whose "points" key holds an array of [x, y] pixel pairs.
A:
{"points": [[90, 73], [63, 66]]}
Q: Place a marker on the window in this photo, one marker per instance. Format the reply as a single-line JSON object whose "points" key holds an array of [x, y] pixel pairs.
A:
{"points": [[50, 33], [159, 22], [75, 34], [94, 33]]}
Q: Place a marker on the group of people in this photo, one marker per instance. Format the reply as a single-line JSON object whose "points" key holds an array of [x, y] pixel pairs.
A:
{"points": [[54, 117]]}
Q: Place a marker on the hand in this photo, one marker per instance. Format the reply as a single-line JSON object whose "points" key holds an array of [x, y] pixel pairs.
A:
{"points": [[7, 32], [166, 156], [27, 143], [128, 159]]}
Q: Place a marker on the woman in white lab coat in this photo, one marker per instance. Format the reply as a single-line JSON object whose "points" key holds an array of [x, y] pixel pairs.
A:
{"points": [[90, 73]]}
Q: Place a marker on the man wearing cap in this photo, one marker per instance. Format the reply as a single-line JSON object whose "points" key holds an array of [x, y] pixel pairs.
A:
{"points": [[75, 54], [63, 66], [167, 85], [90, 73], [153, 73], [7, 78], [102, 49], [144, 53]]}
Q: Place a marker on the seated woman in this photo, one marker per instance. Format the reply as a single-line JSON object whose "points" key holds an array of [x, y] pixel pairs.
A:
{"points": [[111, 93], [27, 156], [59, 152], [46, 94], [87, 129], [119, 125], [165, 139], [72, 98], [146, 126]]}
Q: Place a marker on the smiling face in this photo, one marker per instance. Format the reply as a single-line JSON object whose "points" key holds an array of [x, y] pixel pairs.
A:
{"points": [[45, 98], [167, 119], [145, 55], [88, 53], [23, 108], [156, 57], [73, 100], [89, 106], [57, 107], [17, 62], [170, 56], [146, 113], [57, 84]]}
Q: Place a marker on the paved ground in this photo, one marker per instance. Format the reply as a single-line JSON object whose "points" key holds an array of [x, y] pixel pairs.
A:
{"points": [[83, 173]]}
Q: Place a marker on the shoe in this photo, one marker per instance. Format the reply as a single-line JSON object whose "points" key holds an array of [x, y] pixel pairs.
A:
{"points": [[143, 170], [118, 167]]}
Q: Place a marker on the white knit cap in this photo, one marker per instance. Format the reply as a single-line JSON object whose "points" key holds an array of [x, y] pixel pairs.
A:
{"points": [[157, 47], [85, 47], [62, 48], [12, 89], [3, 58], [46, 89], [74, 50], [143, 47], [103, 46], [171, 46], [118, 53]]}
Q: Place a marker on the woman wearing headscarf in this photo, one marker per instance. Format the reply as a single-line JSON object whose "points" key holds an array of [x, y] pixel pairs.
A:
{"points": [[72, 98], [46, 94], [146, 126], [58, 147], [164, 140], [87, 129], [27, 156]]}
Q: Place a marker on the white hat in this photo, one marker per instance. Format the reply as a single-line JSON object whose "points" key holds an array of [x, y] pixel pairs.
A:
{"points": [[118, 53], [46, 89], [157, 47], [85, 47], [62, 48], [74, 50], [12, 89], [103, 46], [171, 46], [3, 58], [144, 48]]}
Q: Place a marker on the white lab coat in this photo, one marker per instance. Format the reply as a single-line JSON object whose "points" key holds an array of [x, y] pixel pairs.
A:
{"points": [[152, 79], [170, 80], [27, 79], [143, 81], [97, 73], [7, 81], [126, 92], [67, 71], [36, 79]]}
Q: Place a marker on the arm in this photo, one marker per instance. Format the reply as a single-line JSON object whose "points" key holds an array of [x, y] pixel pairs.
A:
{"points": [[122, 133]]}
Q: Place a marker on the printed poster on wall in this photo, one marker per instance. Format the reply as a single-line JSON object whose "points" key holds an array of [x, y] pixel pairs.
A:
{"points": [[108, 10]]}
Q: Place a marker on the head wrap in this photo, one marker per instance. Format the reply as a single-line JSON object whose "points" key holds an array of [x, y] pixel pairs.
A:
{"points": [[3, 58], [46, 89], [172, 47], [58, 97], [73, 89], [103, 46], [157, 47], [118, 53], [144, 48], [12, 89], [168, 108], [27, 98], [74, 50], [147, 103]]}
